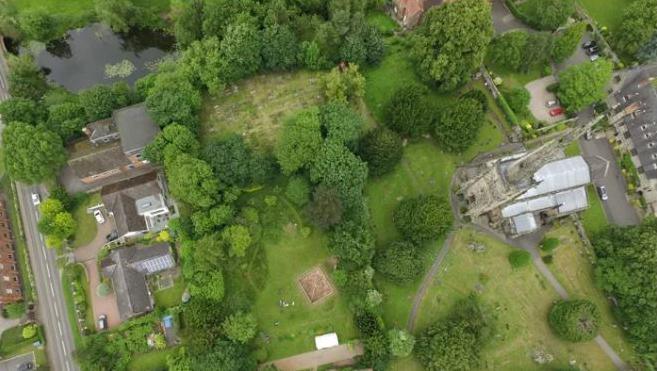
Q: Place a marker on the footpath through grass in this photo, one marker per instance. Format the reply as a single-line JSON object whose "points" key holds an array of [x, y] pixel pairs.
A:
{"points": [[519, 300], [573, 267]]}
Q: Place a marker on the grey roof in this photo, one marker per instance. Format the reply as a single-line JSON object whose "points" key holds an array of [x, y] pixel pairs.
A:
{"points": [[121, 199], [565, 202], [148, 203], [128, 268], [524, 223], [101, 128], [642, 125], [559, 175], [86, 159], [136, 127]]}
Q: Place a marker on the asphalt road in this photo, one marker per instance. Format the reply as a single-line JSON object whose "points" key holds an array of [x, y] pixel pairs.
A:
{"points": [[51, 307], [618, 209], [13, 363]]}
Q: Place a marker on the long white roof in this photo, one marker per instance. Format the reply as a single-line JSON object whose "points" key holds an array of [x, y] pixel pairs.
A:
{"points": [[524, 223], [567, 201], [558, 176], [326, 341]]}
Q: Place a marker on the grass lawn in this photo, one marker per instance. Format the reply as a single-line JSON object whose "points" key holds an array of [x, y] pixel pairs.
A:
{"points": [[259, 104], [12, 342], [594, 218], [151, 361], [291, 330], [87, 228], [172, 296], [572, 267], [381, 21], [608, 13], [519, 301], [573, 149]]}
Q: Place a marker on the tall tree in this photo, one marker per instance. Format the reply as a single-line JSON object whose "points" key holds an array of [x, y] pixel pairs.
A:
{"points": [[422, 218], [280, 48], [459, 124], [300, 141], [191, 180], [638, 26], [188, 20], [32, 154], [325, 210], [240, 327], [118, 14], [508, 49], [451, 42], [382, 149], [240, 51], [584, 84], [408, 111], [171, 142], [25, 78], [566, 43], [343, 85], [173, 98], [37, 24], [21, 109], [202, 61], [547, 14], [235, 163], [340, 123]]}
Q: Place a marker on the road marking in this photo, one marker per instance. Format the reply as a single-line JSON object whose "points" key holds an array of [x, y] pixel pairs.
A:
{"points": [[56, 312], [59, 326], [52, 290]]}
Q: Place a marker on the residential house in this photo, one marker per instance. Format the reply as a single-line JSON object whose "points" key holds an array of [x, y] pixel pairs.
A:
{"points": [[10, 284], [114, 145], [138, 205], [636, 103], [128, 269], [409, 12]]}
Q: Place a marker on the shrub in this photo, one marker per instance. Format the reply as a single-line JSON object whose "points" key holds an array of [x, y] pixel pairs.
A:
{"points": [[326, 209], [518, 100], [575, 320], [508, 112], [549, 244], [398, 262], [382, 150], [297, 190], [547, 259], [519, 258], [29, 331], [423, 218], [14, 310], [408, 111], [479, 96]]}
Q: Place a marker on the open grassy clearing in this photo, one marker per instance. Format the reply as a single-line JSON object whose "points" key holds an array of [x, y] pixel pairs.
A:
{"points": [[594, 218], [519, 300], [291, 330], [86, 229], [171, 296], [152, 361], [256, 108], [573, 268], [381, 21], [608, 13]]}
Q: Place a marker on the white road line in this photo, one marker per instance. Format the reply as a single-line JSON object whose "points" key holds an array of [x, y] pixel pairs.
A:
{"points": [[59, 326], [56, 312], [52, 291]]}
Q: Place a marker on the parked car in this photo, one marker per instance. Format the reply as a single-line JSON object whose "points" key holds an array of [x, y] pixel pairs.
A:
{"points": [[112, 236], [99, 216], [589, 44], [102, 322], [602, 190], [36, 199], [588, 135], [594, 57], [25, 366], [556, 111], [551, 103], [592, 50]]}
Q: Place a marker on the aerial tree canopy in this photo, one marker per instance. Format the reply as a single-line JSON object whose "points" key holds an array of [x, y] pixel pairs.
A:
{"points": [[32, 154], [408, 112], [584, 84], [547, 14], [422, 218], [172, 141], [25, 78], [575, 320], [191, 180], [381, 149], [300, 140], [639, 25], [235, 163], [459, 124]]}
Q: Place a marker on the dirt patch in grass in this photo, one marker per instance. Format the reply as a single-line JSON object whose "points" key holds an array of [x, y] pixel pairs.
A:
{"points": [[315, 285]]}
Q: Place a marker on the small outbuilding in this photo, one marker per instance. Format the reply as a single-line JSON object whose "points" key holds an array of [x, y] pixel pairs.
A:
{"points": [[326, 341]]}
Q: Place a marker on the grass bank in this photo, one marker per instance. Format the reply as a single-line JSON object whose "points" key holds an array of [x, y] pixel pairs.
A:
{"points": [[86, 223]]}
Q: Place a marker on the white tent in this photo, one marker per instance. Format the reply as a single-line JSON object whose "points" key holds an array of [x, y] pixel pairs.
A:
{"points": [[326, 341]]}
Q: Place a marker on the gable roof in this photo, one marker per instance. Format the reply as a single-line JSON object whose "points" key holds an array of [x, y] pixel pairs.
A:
{"points": [[87, 159], [128, 268], [121, 199], [559, 175], [136, 128]]}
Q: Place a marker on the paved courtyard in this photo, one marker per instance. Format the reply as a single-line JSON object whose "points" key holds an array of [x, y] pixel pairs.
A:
{"points": [[539, 98]]}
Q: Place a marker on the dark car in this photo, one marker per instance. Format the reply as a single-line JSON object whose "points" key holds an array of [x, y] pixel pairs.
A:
{"points": [[25, 366], [589, 44], [592, 50], [112, 236]]}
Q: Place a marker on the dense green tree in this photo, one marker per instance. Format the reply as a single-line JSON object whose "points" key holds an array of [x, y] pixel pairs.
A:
{"points": [[353, 243], [171, 142], [207, 220], [37, 24], [377, 351], [399, 262], [401, 342], [240, 51], [454, 342], [202, 60], [638, 26], [422, 218], [518, 99], [279, 48], [13, 310], [451, 42], [335, 166], [238, 239], [326, 209], [459, 124], [223, 356], [575, 320], [99, 101], [96, 355], [568, 41], [648, 52], [479, 96], [173, 98], [519, 258], [235, 163], [240, 327], [208, 285], [538, 51], [508, 50], [381, 149], [67, 119], [625, 269], [118, 14], [584, 84], [374, 45], [32, 154], [23, 110], [25, 78], [547, 14], [300, 141], [298, 190], [408, 111], [191, 180], [341, 124], [188, 20], [343, 85], [56, 223], [310, 56]]}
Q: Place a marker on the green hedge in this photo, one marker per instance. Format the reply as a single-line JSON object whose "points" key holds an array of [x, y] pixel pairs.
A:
{"points": [[508, 112]]}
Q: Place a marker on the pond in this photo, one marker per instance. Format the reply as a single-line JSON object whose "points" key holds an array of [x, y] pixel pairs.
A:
{"points": [[97, 55]]}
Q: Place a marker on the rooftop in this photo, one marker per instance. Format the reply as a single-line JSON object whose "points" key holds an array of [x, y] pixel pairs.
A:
{"points": [[87, 159], [101, 128], [559, 175], [136, 127]]}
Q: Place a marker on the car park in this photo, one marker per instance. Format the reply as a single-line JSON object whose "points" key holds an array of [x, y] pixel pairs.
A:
{"points": [[556, 111], [602, 191], [99, 216], [102, 322], [36, 199]]}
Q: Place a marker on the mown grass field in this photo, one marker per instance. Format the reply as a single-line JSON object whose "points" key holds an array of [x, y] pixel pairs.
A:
{"points": [[574, 269], [86, 223], [171, 296], [519, 300], [608, 13]]}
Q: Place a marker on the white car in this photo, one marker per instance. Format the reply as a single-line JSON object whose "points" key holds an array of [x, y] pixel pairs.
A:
{"points": [[102, 322], [99, 216], [594, 57], [36, 199]]}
